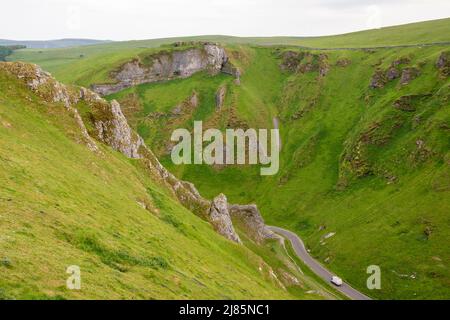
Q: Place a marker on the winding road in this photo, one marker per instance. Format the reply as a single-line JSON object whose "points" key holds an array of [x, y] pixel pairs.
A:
{"points": [[314, 265]]}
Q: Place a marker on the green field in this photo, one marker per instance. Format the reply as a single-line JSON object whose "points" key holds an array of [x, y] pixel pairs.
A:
{"points": [[353, 162]]}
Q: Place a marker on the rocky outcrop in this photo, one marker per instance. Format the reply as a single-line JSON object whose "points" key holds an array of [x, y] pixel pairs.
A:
{"points": [[324, 67], [344, 62], [193, 100], [396, 70], [220, 97], [111, 127], [443, 64], [392, 73], [221, 215], [230, 69], [409, 74], [166, 66], [303, 62], [221, 220], [46, 87], [252, 220], [378, 80], [185, 107], [290, 60], [115, 131], [410, 103]]}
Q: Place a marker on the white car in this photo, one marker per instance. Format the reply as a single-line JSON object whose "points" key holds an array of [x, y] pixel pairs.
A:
{"points": [[336, 281]]}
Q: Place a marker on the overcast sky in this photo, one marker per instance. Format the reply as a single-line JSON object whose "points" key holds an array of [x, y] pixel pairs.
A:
{"points": [[146, 19]]}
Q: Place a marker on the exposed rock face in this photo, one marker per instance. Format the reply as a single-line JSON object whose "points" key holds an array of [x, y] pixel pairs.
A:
{"points": [[307, 66], [220, 97], [409, 103], [443, 64], [230, 69], [216, 57], [304, 62], [378, 80], [324, 67], [188, 195], [113, 129], [193, 101], [392, 73], [343, 62], [291, 60], [254, 223], [186, 107], [290, 280], [221, 220], [406, 74], [166, 66], [409, 74]]}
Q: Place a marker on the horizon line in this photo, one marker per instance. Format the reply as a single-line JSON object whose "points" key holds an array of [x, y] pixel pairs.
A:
{"points": [[221, 35]]}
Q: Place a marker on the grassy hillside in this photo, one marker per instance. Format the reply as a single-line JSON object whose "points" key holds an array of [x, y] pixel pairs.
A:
{"points": [[352, 163], [355, 165], [63, 205], [368, 164]]}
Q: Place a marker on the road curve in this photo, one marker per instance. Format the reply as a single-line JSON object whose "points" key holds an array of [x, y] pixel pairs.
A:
{"points": [[315, 266]]}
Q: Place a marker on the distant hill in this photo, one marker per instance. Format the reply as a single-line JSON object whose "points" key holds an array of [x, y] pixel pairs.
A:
{"points": [[46, 44]]}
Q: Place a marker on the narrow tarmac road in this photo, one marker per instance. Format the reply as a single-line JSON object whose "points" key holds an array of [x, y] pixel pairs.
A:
{"points": [[315, 266]]}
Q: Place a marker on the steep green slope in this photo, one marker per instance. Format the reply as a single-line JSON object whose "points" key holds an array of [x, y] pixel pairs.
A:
{"points": [[356, 161], [63, 205], [375, 174], [367, 164]]}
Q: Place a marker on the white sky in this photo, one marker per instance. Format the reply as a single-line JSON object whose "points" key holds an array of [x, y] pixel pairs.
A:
{"points": [[146, 19]]}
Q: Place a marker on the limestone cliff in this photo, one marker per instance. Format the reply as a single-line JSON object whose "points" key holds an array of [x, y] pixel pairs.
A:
{"points": [[220, 218], [166, 66], [252, 221]]}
